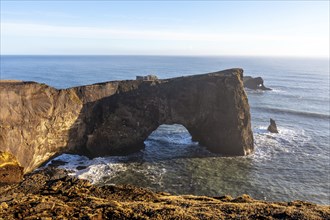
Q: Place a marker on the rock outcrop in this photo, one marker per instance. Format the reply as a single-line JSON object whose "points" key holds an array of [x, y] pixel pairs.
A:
{"points": [[147, 78], [10, 169], [254, 83], [51, 194], [38, 122], [272, 127]]}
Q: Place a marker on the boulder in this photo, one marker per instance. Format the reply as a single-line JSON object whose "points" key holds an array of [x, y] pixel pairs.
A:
{"points": [[38, 122], [10, 169], [272, 127], [254, 83]]}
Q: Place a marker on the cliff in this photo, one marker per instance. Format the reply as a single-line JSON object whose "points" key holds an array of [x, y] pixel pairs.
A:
{"points": [[51, 194], [112, 118]]}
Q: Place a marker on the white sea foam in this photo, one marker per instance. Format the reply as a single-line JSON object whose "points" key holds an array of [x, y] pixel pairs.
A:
{"points": [[101, 169], [93, 170], [154, 174], [268, 144], [96, 173], [71, 159], [171, 134], [179, 138], [276, 90]]}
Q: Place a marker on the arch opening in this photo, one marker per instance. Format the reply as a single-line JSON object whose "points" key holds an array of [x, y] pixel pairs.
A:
{"points": [[171, 141]]}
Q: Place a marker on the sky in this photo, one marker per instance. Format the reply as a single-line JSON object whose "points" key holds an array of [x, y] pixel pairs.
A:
{"points": [[235, 28]]}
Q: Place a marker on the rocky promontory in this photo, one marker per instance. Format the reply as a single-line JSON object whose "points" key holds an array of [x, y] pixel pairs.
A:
{"points": [[52, 194], [38, 122], [255, 83]]}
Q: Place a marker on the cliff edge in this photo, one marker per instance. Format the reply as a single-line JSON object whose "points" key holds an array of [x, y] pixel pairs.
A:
{"points": [[114, 118], [51, 194]]}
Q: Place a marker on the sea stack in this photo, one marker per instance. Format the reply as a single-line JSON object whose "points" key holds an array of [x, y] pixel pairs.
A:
{"points": [[38, 122], [272, 127], [254, 83]]}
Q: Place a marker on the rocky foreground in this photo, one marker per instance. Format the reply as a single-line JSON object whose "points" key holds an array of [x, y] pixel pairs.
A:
{"points": [[52, 194]]}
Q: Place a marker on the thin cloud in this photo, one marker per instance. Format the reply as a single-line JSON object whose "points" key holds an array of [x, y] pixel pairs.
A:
{"points": [[41, 30], [212, 43], [39, 14]]}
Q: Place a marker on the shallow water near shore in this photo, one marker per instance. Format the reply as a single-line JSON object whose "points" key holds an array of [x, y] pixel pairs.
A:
{"points": [[291, 165]]}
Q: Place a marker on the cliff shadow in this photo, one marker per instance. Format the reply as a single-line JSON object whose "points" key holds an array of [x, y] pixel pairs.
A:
{"points": [[119, 124], [212, 107]]}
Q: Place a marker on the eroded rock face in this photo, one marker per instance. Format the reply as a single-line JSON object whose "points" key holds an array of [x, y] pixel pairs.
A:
{"points": [[38, 121], [35, 121]]}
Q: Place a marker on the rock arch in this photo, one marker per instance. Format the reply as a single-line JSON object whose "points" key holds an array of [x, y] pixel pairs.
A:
{"points": [[38, 121], [171, 141], [213, 107], [176, 133]]}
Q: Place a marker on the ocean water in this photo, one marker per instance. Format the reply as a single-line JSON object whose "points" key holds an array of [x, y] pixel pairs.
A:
{"points": [[291, 165]]}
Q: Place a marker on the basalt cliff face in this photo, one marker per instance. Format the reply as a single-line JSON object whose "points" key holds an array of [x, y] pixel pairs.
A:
{"points": [[112, 118]]}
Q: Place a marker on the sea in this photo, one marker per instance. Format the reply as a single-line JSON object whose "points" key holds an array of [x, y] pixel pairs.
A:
{"points": [[291, 165]]}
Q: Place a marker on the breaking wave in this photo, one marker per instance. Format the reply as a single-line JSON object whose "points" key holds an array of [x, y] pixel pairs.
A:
{"points": [[267, 144]]}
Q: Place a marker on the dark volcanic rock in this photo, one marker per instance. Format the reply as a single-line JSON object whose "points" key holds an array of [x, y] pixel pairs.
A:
{"points": [[51, 194], [254, 83], [272, 127], [38, 122], [57, 163]]}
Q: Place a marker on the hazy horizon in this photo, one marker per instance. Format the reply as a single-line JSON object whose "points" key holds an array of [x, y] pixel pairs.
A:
{"points": [[175, 55], [272, 29]]}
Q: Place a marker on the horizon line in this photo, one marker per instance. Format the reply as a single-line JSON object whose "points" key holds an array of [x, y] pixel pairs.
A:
{"points": [[177, 55]]}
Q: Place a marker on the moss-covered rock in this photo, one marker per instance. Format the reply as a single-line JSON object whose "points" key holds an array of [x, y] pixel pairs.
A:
{"points": [[51, 194]]}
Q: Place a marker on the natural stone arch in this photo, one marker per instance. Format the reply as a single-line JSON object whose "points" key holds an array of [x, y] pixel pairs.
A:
{"points": [[213, 107], [38, 122]]}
